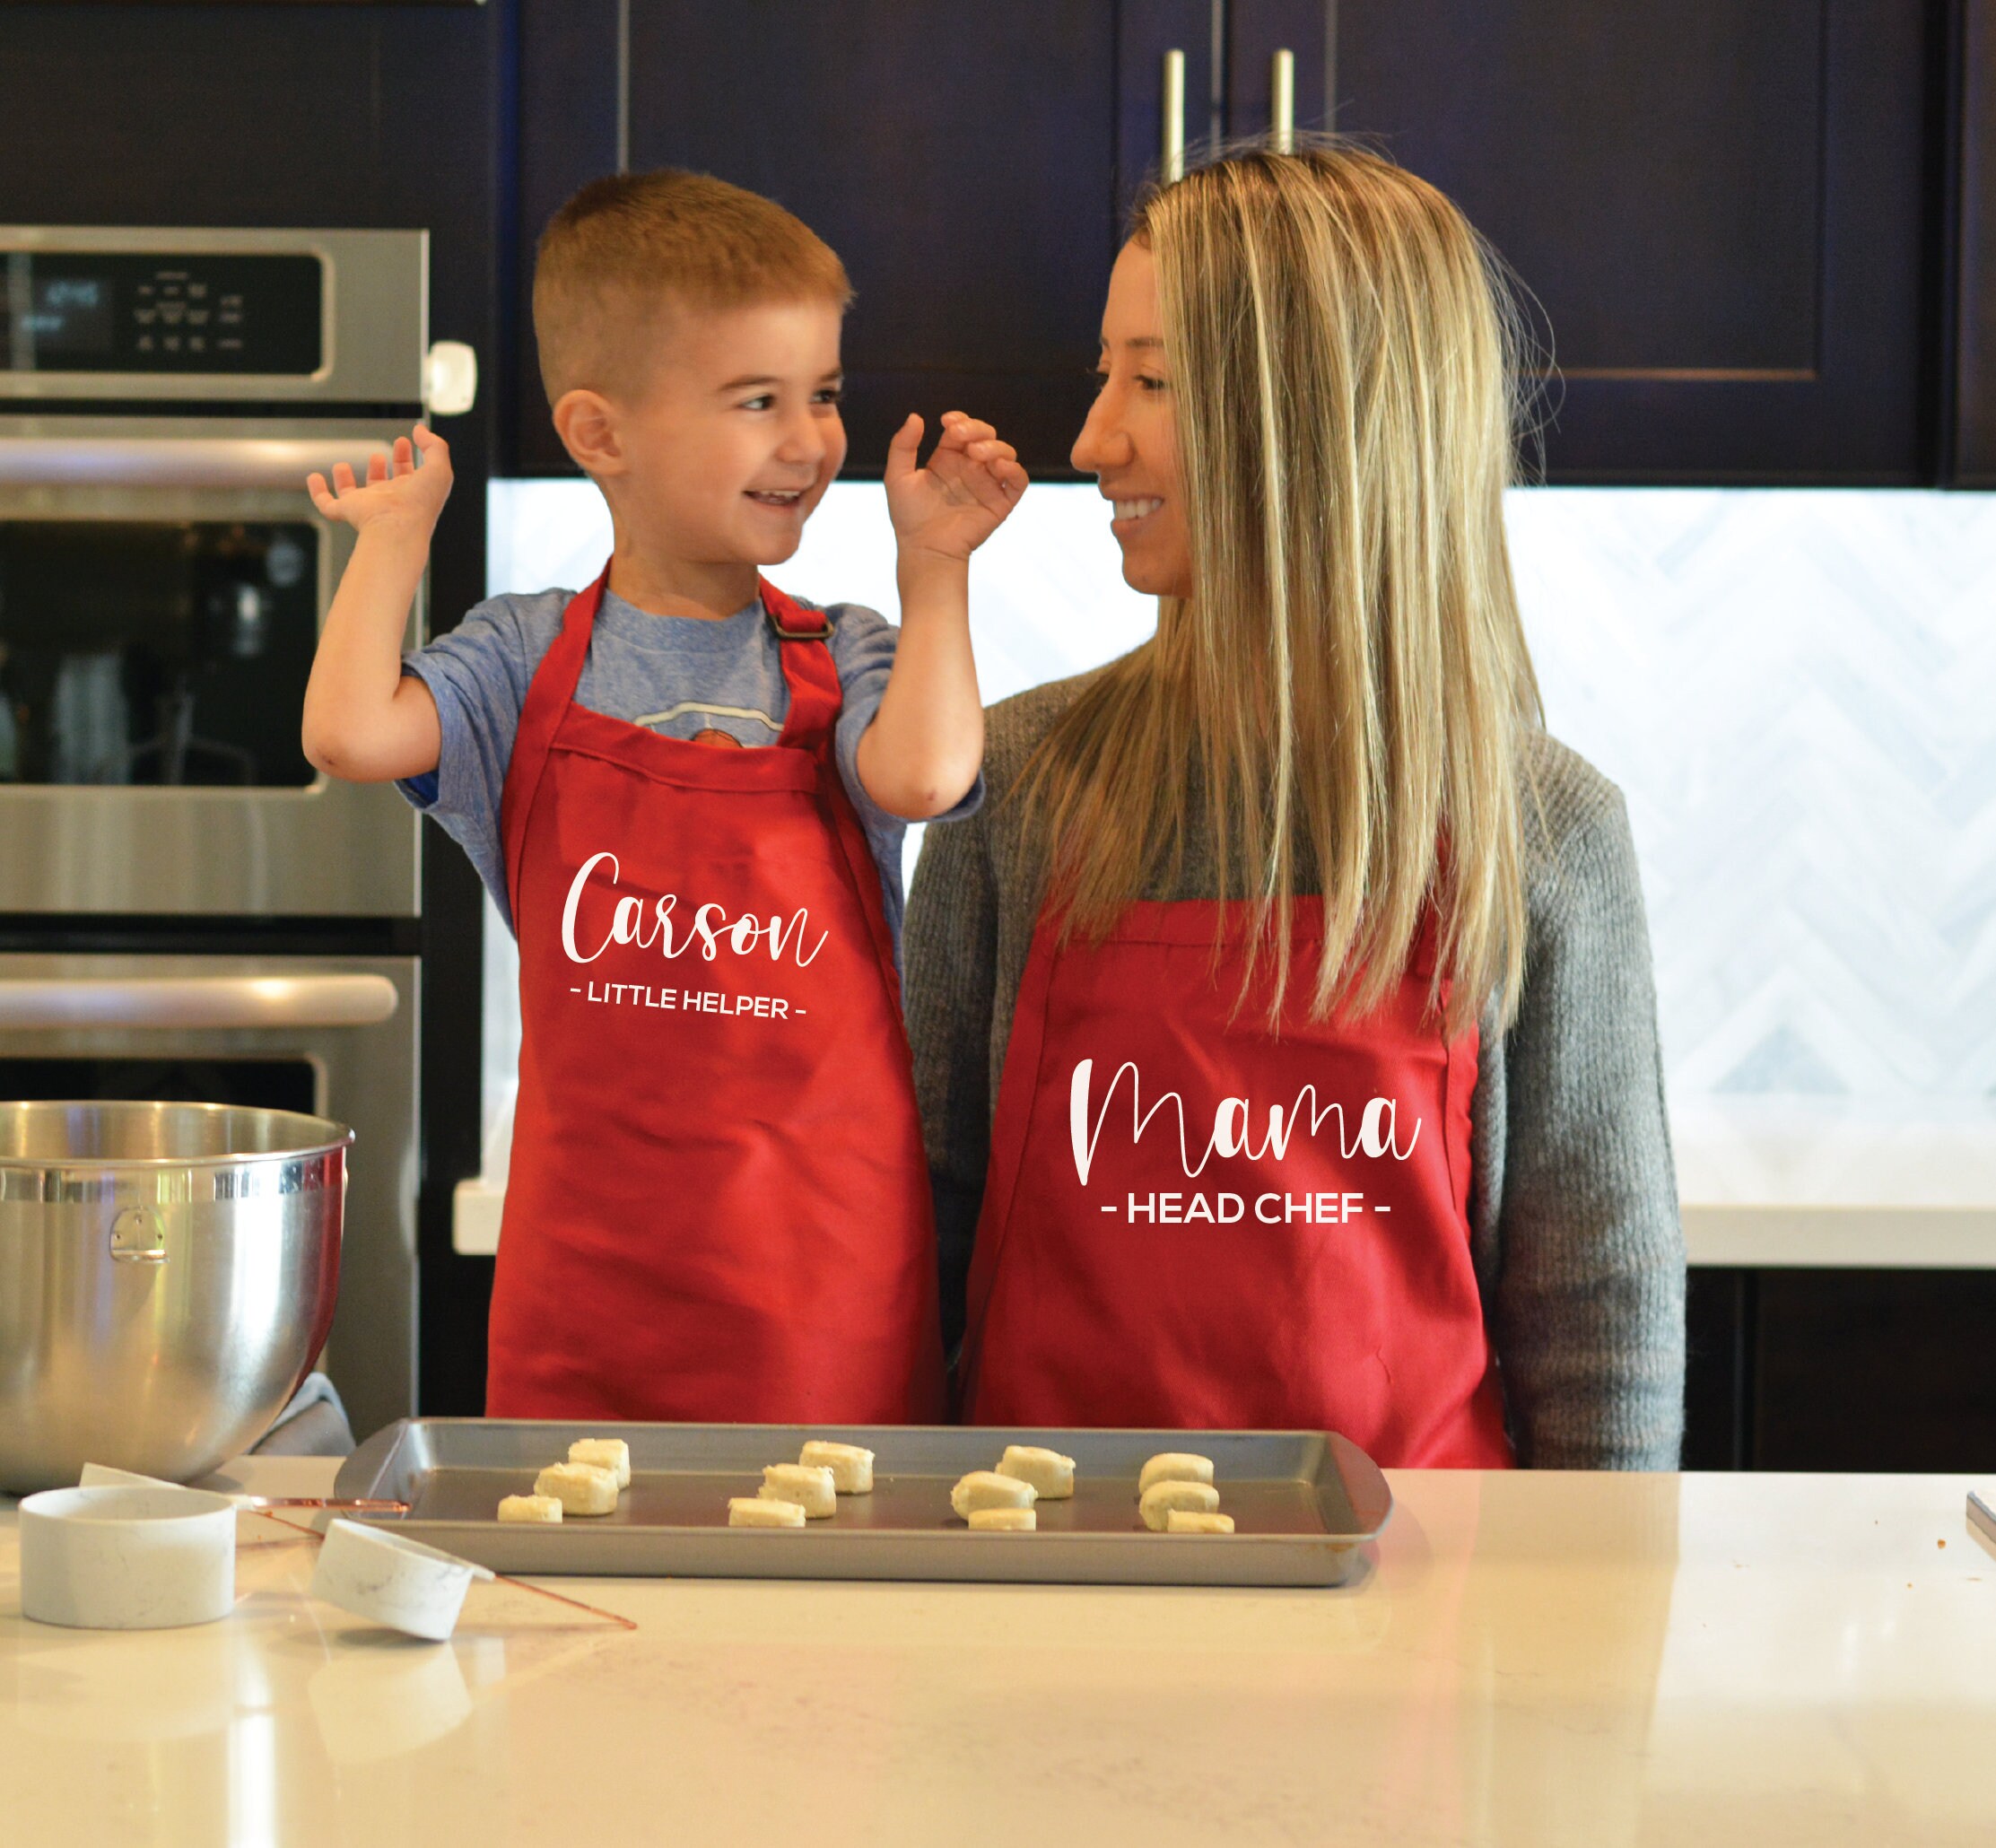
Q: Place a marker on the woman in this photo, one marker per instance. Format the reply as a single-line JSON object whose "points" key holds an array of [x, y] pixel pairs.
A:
{"points": [[1378, 1144]]}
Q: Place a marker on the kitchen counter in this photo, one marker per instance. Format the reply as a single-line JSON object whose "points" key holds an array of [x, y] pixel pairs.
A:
{"points": [[1795, 1182], [1532, 1659]]}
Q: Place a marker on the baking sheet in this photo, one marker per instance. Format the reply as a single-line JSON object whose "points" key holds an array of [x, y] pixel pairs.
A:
{"points": [[1303, 1502]]}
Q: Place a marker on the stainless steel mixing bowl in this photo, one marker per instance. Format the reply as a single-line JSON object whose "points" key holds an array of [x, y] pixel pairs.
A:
{"points": [[167, 1278]]}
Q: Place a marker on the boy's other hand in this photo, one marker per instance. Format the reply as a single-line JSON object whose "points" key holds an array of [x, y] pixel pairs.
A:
{"points": [[397, 491], [951, 507]]}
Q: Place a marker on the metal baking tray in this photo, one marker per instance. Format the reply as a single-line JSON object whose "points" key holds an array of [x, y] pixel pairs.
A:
{"points": [[1304, 1502]]}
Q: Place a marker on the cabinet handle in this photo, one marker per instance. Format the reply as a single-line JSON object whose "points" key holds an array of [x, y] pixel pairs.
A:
{"points": [[1281, 101], [623, 85], [1172, 155]]}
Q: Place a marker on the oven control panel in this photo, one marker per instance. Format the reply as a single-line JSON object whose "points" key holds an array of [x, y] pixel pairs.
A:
{"points": [[121, 312], [128, 316]]}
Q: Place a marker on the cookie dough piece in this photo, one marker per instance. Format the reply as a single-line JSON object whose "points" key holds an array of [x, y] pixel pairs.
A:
{"points": [[582, 1488], [756, 1511], [811, 1488], [1189, 1521], [611, 1453], [530, 1508], [986, 1488], [1049, 1472], [1162, 1497], [1175, 1466], [1003, 1521], [851, 1464]]}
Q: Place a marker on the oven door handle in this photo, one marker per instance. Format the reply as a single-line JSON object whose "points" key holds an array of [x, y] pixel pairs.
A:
{"points": [[198, 1001], [56, 460]]}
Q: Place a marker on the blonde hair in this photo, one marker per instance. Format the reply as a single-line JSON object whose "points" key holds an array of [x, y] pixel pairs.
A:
{"points": [[625, 246], [1339, 706]]}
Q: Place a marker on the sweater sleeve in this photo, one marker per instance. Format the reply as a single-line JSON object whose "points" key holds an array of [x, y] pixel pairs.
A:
{"points": [[1589, 1310], [950, 952]]}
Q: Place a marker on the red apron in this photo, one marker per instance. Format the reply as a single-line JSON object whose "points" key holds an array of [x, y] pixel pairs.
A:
{"points": [[718, 1207], [1190, 1222]]}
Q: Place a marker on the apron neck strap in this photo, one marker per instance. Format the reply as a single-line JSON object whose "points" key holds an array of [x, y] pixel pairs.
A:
{"points": [[553, 687], [549, 694], [808, 668]]}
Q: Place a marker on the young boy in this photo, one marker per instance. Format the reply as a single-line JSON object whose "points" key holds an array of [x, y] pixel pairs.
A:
{"points": [[718, 1207]]}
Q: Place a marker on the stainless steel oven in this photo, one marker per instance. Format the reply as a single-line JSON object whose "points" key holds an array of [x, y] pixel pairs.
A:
{"points": [[332, 1035], [187, 910], [163, 576]]}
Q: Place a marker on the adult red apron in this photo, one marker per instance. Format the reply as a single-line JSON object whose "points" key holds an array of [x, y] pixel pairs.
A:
{"points": [[1189, 1221], [718, 1207]]}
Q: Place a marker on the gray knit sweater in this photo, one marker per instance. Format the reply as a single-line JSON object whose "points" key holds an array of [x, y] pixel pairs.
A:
{"points": [[1573, 1211]]}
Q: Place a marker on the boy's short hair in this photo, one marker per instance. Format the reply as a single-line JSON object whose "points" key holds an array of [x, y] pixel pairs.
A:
{"points": [[610, 259]]}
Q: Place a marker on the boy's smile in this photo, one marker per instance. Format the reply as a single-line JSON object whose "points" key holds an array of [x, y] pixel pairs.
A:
{"points": [[714, 462]]}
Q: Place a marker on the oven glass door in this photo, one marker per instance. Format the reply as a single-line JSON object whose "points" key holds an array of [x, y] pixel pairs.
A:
{"points": [[161, 599], [157, 652]]}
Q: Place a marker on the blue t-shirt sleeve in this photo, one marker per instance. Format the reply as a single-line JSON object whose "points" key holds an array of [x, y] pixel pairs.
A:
{"points": [[863, 645], [478, 674]]}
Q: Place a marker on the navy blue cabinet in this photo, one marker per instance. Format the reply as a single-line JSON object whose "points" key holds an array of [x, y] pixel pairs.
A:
{"points": [[1727, 214], [1969, 216], [973, 167], [1835, 1370], [1740, 227]]}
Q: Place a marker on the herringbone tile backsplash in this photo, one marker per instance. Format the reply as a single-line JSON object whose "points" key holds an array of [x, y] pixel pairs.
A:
{"points": [[1796, 689]]}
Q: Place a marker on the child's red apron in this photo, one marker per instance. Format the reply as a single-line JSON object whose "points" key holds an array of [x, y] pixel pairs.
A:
{"points": [[718, 1207], [1191, 1222]]}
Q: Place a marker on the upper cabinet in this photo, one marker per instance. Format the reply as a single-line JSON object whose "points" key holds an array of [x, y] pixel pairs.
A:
{"points": [[1722, 211], [1755, 238], [971, 165], [1970, 378]]}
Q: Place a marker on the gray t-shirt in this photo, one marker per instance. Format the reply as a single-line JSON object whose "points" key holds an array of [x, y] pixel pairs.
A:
{"points": [[676, 675]]}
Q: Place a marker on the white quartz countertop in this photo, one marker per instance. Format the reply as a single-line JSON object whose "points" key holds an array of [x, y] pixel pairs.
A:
{"points": [[1537, 1657], [1829, 1182]]}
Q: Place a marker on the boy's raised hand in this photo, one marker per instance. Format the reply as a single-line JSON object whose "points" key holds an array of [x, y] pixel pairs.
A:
{"points": [[397, 490], [971, 481]]}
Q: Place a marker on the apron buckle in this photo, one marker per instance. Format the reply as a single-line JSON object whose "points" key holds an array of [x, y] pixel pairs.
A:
{"points": [[823, 632]]}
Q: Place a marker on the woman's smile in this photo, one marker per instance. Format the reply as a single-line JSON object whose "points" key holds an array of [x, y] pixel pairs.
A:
{"points": [[1131, 513]]}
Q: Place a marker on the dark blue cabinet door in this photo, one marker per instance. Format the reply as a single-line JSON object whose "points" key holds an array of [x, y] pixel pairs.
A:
{"points": [[1257, 33], [1719, 207], [1970, 429], [969, 165], [1731, 220]]}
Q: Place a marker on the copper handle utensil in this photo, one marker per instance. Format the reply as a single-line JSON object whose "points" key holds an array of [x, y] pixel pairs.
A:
{"points": [[499, 1577]]}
